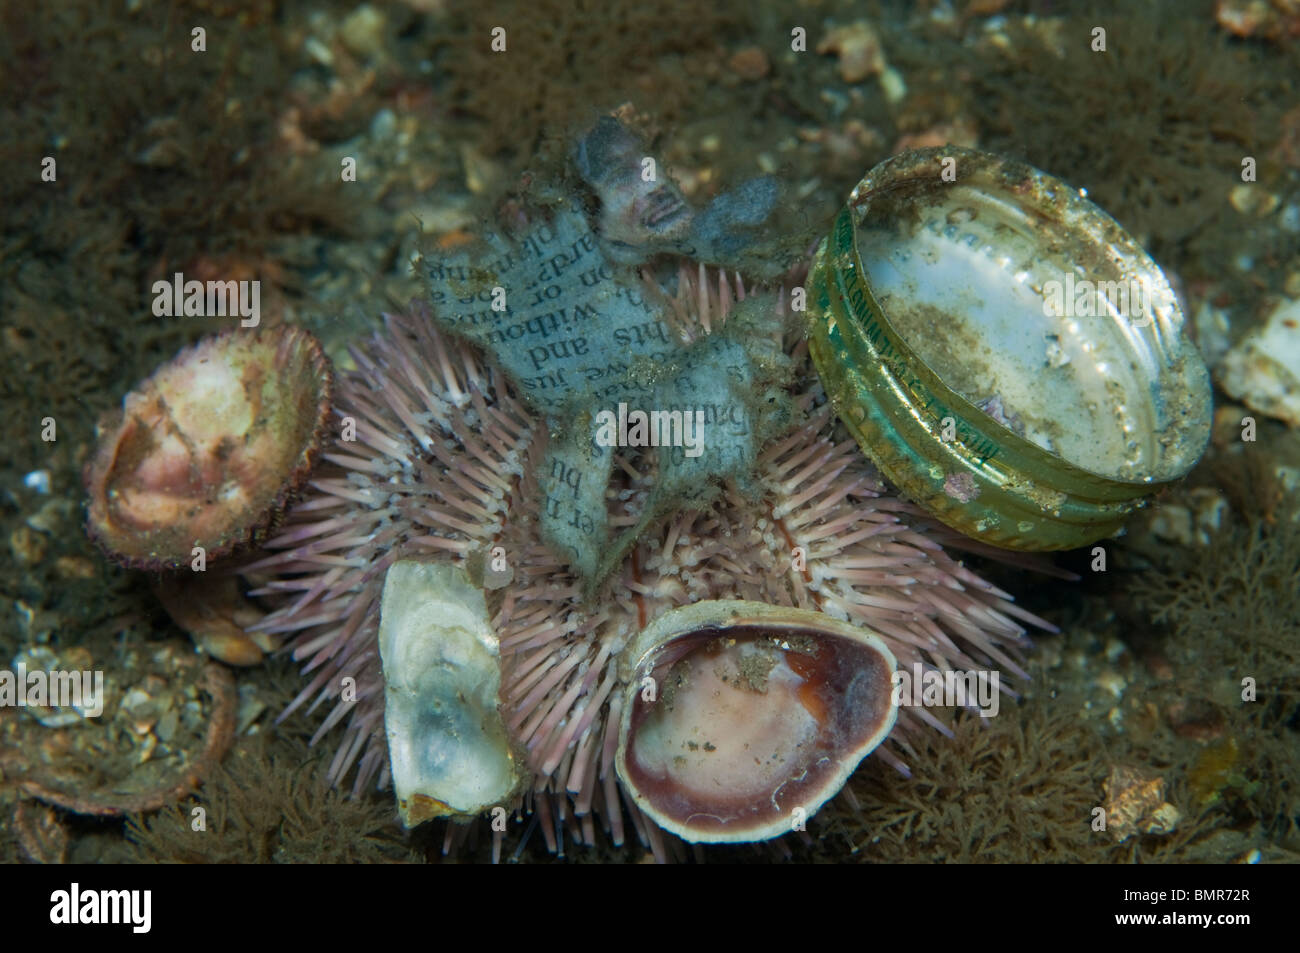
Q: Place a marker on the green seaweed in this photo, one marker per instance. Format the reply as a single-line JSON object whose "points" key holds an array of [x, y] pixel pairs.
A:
{"points": [[1016, 788], [1234, 614]]}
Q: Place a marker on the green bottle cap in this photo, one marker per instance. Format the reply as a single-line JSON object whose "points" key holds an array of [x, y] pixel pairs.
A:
{"points": [[1003, 350]]}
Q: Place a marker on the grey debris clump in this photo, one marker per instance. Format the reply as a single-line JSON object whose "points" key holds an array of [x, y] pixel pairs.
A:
{"points": [[576, 332], [643, 212]]}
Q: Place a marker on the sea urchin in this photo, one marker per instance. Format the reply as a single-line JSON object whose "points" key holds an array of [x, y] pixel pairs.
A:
{"points": [[432, 458]]}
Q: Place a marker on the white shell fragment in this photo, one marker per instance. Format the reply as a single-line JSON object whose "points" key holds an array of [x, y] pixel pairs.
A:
{"points": [[1263, 370], [447, 742]]}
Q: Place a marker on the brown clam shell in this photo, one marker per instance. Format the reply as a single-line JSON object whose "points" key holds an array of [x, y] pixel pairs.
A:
{"points": [[741, 719]]}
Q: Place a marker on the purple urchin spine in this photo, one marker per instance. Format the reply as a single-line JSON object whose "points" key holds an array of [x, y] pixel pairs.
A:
{"points": [[423, 461]]}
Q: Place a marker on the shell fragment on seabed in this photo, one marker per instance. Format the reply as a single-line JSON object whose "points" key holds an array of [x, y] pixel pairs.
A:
{"points": [[1263, 369], [447, 742]]}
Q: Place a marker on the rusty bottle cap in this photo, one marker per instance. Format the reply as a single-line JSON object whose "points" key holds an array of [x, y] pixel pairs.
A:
{"points": [[1003, 350]]}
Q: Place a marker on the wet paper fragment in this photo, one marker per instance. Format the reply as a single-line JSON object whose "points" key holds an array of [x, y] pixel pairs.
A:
{"points": [[567, 323], [584, 346]]}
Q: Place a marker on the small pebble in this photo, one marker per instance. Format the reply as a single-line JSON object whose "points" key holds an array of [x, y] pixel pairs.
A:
{"points": [[318, 51], [39, 481], [363, 31], [749, 64], [167, 726], [1251, 199], [892, 85], [481, 173], [858, 47], [383, 125], [75, 567], [1289, 220], [27, 545]]}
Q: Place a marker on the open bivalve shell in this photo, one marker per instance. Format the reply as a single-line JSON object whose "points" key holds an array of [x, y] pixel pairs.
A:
{"points": [[741, 719]]}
